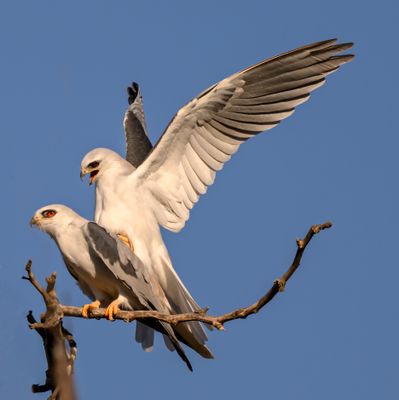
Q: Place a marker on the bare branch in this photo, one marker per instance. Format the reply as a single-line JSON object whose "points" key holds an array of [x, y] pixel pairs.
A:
{"points": [[216, 321], [59, 360], [31, 278]]}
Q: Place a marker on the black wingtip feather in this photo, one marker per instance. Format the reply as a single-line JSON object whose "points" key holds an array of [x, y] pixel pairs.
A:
{"points": [[181, 353], [132, 92], [338, 48]]}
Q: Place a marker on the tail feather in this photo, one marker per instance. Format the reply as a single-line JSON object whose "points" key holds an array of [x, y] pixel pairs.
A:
{"points": [[186, 336], [168, 343], [145, 336], [175, 343], [145, 332], [169, 295], [181, 300]]}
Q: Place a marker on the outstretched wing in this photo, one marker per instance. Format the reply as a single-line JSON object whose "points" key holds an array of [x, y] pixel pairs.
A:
{"points": [[205, 133], [138, 144]]}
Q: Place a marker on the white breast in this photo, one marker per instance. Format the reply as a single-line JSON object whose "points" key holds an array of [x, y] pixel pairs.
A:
{"points": [[74, 249], [121, 209]]}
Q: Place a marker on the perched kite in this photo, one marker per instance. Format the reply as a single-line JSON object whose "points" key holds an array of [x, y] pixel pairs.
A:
{"points": [[113, 277], [159, 186]]}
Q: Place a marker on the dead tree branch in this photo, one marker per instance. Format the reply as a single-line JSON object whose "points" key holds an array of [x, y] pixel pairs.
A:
{"points": [[60, 361], [216, 321]]}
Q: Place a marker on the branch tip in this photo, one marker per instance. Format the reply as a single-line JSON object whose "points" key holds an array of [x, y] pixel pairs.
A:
{"points": [[320, 227], [52, 278], [202, 311]]}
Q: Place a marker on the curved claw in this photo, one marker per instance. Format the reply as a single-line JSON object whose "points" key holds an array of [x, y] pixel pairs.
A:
{"points": [[113, 309], [92, 306]]}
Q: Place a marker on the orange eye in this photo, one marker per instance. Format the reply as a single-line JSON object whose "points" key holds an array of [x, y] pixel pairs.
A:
{"points": [[49, 213]]}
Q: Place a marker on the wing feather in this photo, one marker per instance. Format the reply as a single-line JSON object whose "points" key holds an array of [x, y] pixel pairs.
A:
{"points": [[207, 158], [138, 145], [201, 168], [207, 131]]}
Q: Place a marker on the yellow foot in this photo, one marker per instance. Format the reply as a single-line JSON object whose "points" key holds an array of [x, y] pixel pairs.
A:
{"points": [[125, 240], [113, 309], [92, 306]]}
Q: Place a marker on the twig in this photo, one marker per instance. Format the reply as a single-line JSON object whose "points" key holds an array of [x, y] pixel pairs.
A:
{"points": [[216, 321]]}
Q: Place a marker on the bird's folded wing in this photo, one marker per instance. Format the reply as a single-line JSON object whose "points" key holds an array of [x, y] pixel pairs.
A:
{"points": [[130, 272], [205, 133], [120, 262], [138, 144]]}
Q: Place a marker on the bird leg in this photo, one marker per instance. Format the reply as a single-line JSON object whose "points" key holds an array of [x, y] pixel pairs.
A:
{"points": [[126, 241], [92, 306], [113, 308]]}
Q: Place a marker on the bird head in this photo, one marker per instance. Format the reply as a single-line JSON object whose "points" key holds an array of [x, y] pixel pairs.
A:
{"points": [[96, 162], [53, 218]]}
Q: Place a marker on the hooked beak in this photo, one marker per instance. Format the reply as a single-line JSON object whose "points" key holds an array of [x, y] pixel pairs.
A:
{"points": [[84, 172], [34, 221]]}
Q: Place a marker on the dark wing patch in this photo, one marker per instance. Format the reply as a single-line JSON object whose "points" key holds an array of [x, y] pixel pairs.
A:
{"points": [[138, 145], [106, 248], [106, 245]]}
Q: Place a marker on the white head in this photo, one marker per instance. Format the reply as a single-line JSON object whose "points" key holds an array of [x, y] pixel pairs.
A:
{"points": [[55, 218], [98, 161]]}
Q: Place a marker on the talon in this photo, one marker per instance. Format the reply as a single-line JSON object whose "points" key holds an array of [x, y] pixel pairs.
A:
{"points": [[113, 309], [92, 306], [126, 241]]}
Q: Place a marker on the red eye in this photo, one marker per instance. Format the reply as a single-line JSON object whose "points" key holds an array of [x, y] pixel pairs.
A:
{"points": [[49, 213]]}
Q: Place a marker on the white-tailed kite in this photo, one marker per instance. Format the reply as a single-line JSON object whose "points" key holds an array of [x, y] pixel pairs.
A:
{"points": [[113, 277], [134, 198]]}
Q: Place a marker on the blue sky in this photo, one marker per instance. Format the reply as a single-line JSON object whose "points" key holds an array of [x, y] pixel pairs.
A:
{"points": [[333, 333]]}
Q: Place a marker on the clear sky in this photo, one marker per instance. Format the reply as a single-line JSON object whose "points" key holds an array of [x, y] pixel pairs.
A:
{"points": [[333, 333]]}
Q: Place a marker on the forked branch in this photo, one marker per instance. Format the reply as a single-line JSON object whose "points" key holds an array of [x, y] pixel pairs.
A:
{"points": [[60, 361], [202, 316]]}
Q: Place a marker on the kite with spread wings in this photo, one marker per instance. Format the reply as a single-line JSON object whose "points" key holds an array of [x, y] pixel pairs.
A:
{"points": [[112, 276], [159, 186]]}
